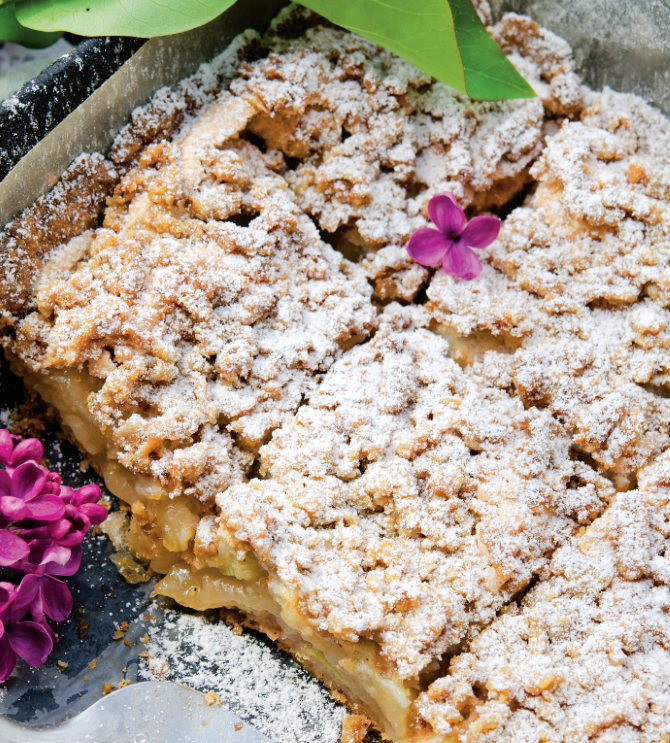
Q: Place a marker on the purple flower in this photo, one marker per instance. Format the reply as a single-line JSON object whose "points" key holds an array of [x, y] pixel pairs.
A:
{"points": [[28, 639], [81, 510], [12, 548], [452, 241], [41, 593], [47, 557], [42, 525], [44, 596], [13, 456], [29, 492]]}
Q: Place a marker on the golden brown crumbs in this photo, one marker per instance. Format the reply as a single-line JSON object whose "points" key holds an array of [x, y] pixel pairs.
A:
{"points": [[354, 728]]}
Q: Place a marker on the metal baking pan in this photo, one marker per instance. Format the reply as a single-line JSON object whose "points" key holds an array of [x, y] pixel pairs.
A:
{"points": [[81, 102], [624, 44], [78, 105]]}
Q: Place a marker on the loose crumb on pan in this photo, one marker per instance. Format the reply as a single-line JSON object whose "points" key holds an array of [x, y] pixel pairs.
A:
{"points": [[354, 728]]}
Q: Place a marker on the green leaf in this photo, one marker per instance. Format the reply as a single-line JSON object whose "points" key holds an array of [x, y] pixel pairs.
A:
{"points": [[145, 18], [445, 39], [489, 75], [442, 37], [12, 30], [422, 32]]}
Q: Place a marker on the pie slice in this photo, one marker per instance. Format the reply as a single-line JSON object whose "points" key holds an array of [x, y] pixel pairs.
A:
{"points": [[587, 654], [394, 515]]}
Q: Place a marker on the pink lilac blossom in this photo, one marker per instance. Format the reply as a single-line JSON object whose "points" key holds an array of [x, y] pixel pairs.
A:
{"points": [[28, 492], [28, 639], [452, 241], [28, 450], [42, 525]]}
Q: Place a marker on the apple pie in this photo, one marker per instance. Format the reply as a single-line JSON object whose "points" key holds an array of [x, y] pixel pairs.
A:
{"points": [[446, 499]]}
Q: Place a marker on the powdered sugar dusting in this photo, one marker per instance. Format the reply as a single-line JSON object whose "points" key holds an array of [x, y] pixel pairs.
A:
{"points": [[586, 656], [406, 504], [273, 694], [404, 491]]}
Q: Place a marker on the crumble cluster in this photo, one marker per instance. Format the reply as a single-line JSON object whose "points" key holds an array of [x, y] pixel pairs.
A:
{"points": [[406, 503], [587, 654], [197, 327]]}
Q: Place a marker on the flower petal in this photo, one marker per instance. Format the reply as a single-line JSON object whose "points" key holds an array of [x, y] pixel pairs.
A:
{"points": [[7, 658], [25, 596], [37, 532], [66, 494], [6, 446], [13, 508], [38, 615], [7, 595], [427, 246], [481, 231], [70, 567], [56, 553], [446, 215], [12, 548], [95, 513], [27, 450], [28, 480], [30, 640], [5, 483], [73, 538], [462, 261], [88, 494], [56, 598], [45, 508], [59, 528]]}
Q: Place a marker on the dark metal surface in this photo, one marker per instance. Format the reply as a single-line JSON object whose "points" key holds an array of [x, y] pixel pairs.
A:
{"points": [[624, 44], [42, 103], [102, 598]]}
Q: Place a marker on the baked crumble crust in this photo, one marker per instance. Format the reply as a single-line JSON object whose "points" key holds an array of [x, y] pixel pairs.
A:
{"points": [[71, 207], [406, 500], [406, 503], [194, 325], [579, 275], [586, 656], [376, 138]]}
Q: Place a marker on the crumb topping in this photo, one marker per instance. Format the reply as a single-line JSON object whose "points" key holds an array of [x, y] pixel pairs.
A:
{"points": [[406, 503], [586, 656], [486, 476], [580, 276], [197, 327], [376, 138], [71, 207]]}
